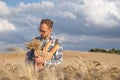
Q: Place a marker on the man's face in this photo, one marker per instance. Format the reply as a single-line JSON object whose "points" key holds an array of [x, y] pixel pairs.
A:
{"points": [[45, 31]]}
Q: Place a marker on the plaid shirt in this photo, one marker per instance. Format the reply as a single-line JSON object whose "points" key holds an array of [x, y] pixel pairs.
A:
{"points": [[57, 57]]}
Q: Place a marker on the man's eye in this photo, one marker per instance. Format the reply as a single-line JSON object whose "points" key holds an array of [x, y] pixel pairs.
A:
{"points": [[42, 31]]}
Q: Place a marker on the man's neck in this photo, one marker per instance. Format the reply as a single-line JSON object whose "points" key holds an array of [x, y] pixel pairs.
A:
{"points": [[47, 37]]}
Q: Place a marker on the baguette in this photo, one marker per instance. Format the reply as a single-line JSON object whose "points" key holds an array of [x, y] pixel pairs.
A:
{"points": [[52, 51], [45, 49]]}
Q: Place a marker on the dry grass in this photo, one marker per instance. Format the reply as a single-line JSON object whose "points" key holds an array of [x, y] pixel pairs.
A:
{"points": [[75, 66]]}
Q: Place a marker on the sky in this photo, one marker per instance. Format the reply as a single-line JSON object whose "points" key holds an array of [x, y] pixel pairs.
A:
{"points": [[79, 24]]}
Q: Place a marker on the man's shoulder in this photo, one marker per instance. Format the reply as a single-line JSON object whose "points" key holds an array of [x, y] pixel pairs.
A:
{"points": [[38, 37], [56, 39]]}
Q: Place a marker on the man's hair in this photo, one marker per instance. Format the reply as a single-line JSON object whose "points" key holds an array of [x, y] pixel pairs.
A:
{"points": [[48, 22]]}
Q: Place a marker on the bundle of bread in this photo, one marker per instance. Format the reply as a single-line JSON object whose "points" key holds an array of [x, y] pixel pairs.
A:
{"points": [[36, 45]]}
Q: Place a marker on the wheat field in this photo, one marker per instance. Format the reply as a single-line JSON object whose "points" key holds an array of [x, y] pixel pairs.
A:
{"points": [[76, 66]]}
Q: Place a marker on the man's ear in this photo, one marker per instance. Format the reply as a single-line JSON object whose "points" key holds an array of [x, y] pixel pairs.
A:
{"points": [[50, 30]]}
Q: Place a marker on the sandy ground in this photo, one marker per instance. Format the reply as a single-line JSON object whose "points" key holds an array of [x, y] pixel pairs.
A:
{"points": [[104, 58]]}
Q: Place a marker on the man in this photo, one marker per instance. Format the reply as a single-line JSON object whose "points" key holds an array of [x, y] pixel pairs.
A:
{"points": [[45, 30]]}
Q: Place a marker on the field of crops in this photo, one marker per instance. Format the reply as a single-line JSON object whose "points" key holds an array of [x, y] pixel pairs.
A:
{"points": [[75, 66]]}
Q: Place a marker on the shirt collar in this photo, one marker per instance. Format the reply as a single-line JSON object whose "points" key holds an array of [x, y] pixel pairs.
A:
{"points": [[50, 38]]}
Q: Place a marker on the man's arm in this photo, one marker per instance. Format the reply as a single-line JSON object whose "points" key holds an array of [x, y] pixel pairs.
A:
{"points": [[29, 56], [53, 58], [57, 57]]}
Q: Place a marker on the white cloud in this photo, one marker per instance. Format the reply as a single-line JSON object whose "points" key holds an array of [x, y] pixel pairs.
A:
{"points": [[73, 39], [43, 4], [47, 8], [47, 4], [33, 7], [5, 25], [32, 19], [4, 9], [84, 38], [100, 12], [67, 15]]}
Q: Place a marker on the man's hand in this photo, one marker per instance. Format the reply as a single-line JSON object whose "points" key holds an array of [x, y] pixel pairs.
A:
{"points": [[39, 60]]}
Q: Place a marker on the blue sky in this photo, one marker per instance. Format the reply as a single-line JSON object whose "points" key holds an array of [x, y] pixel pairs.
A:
{"points": [[79, 24], [14, 3]]}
